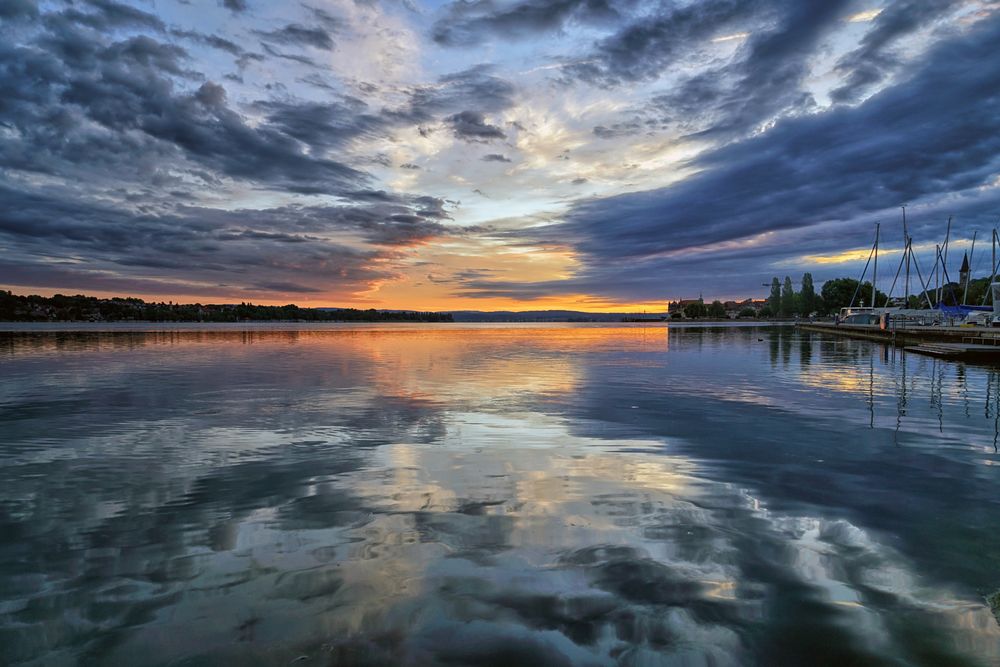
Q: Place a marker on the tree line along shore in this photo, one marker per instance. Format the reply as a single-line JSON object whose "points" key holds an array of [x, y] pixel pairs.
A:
{"points": [[784, 301], [80, 308]]}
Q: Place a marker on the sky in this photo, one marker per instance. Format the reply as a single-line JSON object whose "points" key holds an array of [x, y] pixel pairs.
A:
{"points": [[488, 154]]}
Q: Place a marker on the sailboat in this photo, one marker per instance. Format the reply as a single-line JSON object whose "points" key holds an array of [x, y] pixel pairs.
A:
{"points": [[937, 312]]}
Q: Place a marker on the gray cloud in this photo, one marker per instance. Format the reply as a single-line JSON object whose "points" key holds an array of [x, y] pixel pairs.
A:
{"points": [[325, 18], [495, 157], [323, 126], [647, 45], [17, 9], [476, 88], [817, 179], [471, 126], [213, 41], [468, 23], [763, 81], [108, 15], [208, 251], [874, 59], [295, 34], [79, 101], [128, 137]]}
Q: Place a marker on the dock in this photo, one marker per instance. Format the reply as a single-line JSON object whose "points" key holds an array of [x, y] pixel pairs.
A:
{"points": [[951, 342]]}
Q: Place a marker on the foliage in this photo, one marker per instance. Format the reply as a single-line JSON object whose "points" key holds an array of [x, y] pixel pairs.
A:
{"points": [[750, 312], [788, 298], [766, 312], [91, 309], [837, 294], [774, 300], [717, 309], [695, 310], [807, 296]]}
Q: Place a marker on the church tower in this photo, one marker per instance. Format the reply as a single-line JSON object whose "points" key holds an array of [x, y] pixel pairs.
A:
{"points": [[963, 273]]}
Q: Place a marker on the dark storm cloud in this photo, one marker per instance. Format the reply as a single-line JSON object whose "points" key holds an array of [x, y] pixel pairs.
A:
{"points": [[392, 223], [763, 81], [460, 100], [625, 129], [294, 57], [325, 18], [135, 135], [235, 6], [213, 41], [16, 9], [874, 59], [468, 23], [765, 77], [323, 126], [107, 15], [475, 88], [77, 100], [649, 44], [813, 178], [295, 34], [495, 157], [197, 250], [471, 126]]}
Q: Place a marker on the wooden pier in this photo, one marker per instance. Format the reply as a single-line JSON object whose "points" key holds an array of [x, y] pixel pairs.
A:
{"points": [[953, 342]]}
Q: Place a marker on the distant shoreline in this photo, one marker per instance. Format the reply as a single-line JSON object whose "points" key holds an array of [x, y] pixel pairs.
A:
{"points": [[148, 325]]}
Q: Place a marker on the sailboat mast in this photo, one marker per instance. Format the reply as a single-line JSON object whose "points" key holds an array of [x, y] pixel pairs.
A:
{"points": [[906, 251], [937, 273], [875, 269], [944, 258], [993, 268]]}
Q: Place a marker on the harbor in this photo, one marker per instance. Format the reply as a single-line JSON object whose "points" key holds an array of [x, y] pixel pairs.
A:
{"points": [[958, 342], [955, 330]]}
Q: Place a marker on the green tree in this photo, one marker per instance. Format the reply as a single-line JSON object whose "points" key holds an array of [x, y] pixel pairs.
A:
{"points": [[807, 297], [787, 298], [766, 312], [748, 312], [695, 310], [717, 309], [837, 294], [774, 301]]}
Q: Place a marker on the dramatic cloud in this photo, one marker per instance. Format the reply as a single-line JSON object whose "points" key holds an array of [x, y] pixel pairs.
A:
{"points": [[476, 88], [15, 9], [875, 58], [902, 145], [343, 249], [467, 23], [299, 35], [647, 45], [471, 126], [596, 151]]}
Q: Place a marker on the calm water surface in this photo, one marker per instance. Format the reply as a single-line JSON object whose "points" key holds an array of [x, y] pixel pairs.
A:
{"points": [[506, 495]]}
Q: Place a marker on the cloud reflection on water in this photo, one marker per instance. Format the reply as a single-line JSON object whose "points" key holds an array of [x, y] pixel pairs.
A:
{"points": [[447, 497]]}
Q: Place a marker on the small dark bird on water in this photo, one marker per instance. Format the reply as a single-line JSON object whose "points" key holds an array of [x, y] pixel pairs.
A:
{"points": [[760, 340]]}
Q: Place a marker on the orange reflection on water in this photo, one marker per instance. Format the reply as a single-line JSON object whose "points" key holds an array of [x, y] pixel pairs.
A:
{"points": [[416, 362]]}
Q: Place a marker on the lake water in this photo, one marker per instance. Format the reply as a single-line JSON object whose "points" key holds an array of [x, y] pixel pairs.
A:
{"points": [[496, 495]]}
